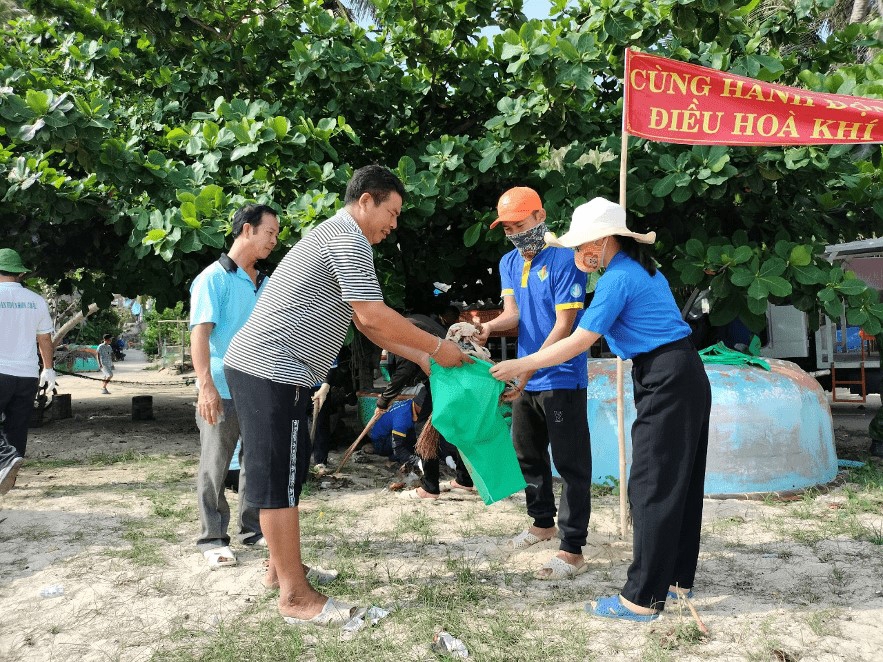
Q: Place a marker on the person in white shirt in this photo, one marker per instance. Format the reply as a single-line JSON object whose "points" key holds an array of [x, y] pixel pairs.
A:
{"points": [[26, 324]]}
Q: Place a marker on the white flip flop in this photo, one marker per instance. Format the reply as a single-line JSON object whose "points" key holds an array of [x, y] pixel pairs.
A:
{"points": [[560, 569], [334, 613], [320, 576], [219, 557], [527, 539]]}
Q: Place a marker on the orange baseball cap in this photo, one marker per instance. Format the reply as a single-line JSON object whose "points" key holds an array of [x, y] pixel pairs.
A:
{"points": [[516, 204]]}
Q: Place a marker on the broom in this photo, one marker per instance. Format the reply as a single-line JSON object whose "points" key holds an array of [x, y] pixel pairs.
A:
{"points": [[355, 444]]}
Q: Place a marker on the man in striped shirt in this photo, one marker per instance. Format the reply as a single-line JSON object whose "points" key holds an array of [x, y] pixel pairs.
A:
{"points": [[287, 346]]}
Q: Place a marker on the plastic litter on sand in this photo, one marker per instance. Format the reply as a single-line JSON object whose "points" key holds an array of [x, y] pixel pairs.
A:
{"points": [[448, 644], [360, 619], [53, 591]]}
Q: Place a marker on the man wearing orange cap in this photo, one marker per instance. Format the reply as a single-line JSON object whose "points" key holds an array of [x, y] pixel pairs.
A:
{"points": [[543, 295]]}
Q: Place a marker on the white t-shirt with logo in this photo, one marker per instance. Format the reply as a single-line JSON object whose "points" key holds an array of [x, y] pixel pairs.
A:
{"points": [[23, 315]]}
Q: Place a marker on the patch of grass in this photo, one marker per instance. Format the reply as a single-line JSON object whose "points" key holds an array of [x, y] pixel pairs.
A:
{"points": [[47, 463], [145, 549], [870, 476], [106, 459], [873, 535], [862, 502], [417, 523], [56, 491], [469, 586], [725, 524], [351, 549], [35, 534], [805, 508], [142, 552], [825, 623], [170, 476], [268, 639], [166, 506], [681, 637]]}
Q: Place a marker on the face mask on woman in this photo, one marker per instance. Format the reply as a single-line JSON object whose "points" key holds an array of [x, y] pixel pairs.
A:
{"points": [[530, 242], [591, 258]]}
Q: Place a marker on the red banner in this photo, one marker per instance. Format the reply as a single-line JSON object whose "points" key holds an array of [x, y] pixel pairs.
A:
{"points": [[676, 102]]}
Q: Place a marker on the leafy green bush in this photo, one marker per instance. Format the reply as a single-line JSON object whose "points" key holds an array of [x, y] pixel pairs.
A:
{"points": [[154, 331], [93, 329]]}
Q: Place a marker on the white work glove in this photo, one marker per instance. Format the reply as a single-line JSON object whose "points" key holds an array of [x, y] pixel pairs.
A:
{"points": [[47, 378], [320, 395]]}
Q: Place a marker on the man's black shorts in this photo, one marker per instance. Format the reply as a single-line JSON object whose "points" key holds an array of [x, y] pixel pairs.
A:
{"points": [[275, 438]]}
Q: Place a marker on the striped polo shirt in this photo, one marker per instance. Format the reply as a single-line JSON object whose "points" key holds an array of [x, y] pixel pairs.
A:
{"points": [[300, 322]]}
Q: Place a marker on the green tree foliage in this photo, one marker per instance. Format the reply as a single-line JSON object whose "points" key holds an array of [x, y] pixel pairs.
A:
{"points": [[155, 332], [95, 326], [130, 132]]}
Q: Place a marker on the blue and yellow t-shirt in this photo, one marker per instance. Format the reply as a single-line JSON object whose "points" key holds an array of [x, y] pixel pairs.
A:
{"points": [[634, 311], [397, 421], [542, 286]]}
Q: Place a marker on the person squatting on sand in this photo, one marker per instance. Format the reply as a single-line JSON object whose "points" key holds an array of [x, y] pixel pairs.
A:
{"points": [[635, 311], [325, 282]]}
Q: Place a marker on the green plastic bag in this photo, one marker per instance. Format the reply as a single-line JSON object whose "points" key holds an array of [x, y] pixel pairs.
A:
{"points": [[466, 411], [721, 354]]}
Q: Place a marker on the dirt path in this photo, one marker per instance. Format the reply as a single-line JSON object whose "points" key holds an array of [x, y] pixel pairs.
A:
{"points": [[105, 508]]}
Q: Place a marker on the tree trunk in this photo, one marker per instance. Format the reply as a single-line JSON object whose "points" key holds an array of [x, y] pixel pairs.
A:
{"points": [[71, 323], [859, 11]]}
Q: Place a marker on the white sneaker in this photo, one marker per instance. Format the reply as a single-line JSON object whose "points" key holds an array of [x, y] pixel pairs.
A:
{"points": [[104, 391], [8, 475]]}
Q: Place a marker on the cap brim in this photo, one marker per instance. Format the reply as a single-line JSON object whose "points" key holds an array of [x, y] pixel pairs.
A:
{"points": [[496, 223]]}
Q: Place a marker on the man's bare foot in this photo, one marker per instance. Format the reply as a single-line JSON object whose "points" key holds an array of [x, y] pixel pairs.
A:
{"points": [[271, 579], [417, 495], [303, 607], [557, 571], [531, 536], [543, 534]]}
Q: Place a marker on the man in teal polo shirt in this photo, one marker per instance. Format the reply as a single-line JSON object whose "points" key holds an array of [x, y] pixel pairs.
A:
{"points": [[543, 295], [221, 300]]}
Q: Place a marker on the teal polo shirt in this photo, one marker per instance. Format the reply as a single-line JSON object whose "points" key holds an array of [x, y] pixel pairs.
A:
{"points": [[224, 295], [634, 311], [542, 286]]}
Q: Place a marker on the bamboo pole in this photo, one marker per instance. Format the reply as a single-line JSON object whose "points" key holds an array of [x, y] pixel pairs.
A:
{"points": [[620, 404]]}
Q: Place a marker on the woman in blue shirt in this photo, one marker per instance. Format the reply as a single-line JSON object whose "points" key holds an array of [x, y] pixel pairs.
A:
{"points": [[633, 308]]}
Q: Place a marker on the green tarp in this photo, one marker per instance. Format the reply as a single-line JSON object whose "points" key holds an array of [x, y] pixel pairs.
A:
{"points": [[466, 411]]}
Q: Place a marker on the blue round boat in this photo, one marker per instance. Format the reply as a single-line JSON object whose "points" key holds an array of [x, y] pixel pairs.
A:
{"points": [[771, 431]]}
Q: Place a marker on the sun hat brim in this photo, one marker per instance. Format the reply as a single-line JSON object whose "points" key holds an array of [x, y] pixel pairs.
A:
{"points": [[576, 238]]}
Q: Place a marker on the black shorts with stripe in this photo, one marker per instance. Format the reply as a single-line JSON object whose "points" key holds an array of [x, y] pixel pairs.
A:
{"points": [[275, 438]]}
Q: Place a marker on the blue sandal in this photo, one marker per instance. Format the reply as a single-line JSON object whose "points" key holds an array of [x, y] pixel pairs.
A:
{"points": [[611, 607], [674, 596]]}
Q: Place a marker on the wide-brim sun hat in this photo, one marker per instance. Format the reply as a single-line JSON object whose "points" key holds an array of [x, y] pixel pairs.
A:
{"points": [[596, 219], [10, 262]]}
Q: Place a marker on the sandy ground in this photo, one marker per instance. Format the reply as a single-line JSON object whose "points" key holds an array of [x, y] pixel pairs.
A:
{"points": [[81, 526]]}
